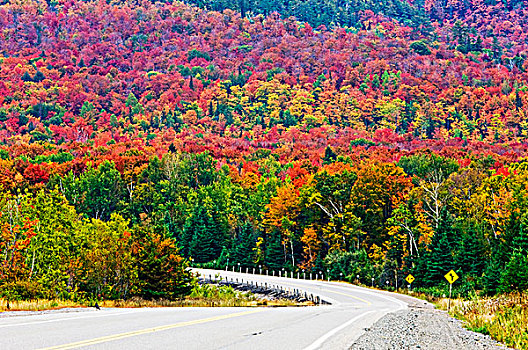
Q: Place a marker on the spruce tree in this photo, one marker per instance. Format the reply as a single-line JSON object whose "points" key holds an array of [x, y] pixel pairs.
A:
{"points": [[242, 245], [274, 253], [514, 277], [439, 260], [196, 232], [205, 245], [39, 76], [471, 254], [200, 237], [491, 279], [329, 156], [26, 77]]}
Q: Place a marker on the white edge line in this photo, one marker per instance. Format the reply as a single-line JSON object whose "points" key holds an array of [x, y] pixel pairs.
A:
{"points": [[316, 344], [403, 304], [65, 319]]}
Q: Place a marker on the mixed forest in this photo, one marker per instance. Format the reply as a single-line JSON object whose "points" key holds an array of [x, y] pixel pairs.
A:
{"points": [[356, 138]]}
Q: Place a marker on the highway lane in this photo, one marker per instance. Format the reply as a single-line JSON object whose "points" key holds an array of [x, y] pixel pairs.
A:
{"points": [[332, 326]]}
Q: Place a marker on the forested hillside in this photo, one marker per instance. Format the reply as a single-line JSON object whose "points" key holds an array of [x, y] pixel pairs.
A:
{"points": [[374, 141]]}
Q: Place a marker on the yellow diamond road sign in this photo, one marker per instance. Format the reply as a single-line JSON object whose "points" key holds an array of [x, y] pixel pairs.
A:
{"points": [[451, 276], [410, 279]]}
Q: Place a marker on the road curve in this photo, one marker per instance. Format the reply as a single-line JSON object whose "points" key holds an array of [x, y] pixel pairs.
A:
{"points": [[333, 326]]}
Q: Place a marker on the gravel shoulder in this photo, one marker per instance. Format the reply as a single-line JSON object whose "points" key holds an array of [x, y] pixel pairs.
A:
{"points": [[422, 327]]}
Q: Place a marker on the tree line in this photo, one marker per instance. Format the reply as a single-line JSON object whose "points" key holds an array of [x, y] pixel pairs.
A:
{"points": [[104, 231]]}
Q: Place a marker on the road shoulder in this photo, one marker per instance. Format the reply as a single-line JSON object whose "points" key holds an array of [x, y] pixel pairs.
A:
{"points": [[421, 328]]}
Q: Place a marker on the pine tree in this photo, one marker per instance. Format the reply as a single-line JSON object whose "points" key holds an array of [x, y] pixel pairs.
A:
{"points": [[470, 257], [274, 253], [39, 76], [205, 245], [439, 260], [329, 156], [26, 77], [514, 277], [242, 245], [492, 275]]}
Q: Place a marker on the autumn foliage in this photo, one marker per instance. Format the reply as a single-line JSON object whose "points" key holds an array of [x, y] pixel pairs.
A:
{"points": [[363, 140]]}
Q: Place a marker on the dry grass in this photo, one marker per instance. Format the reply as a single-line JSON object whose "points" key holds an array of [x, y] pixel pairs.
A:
{"points": [[201, 296], [39, 305], [36, 305], [504, 318]]}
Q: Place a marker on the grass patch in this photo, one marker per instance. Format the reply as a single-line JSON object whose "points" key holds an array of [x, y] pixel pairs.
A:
{"points": [[504, 318], [36, 305]]}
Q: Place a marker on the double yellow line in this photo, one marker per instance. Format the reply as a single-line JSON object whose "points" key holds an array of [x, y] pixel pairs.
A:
{"points": [[147, 331]]}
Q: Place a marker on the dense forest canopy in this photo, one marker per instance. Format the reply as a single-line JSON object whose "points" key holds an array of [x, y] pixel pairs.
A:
{"points": [[357, 138]]}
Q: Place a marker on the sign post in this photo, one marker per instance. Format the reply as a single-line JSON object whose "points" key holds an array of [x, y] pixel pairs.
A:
{"points": [[451, 277]]}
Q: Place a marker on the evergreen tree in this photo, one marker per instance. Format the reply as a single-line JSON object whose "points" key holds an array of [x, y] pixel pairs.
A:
{"points": [[439, 260], [492, 275], [185, 239], [471, 254], [329, 156], [515, 275], [274, 253], [211, 108], [288, 119], [134, 105], [39, 76], [161, 272], [242, 245], [26, 77], [205, 244]]}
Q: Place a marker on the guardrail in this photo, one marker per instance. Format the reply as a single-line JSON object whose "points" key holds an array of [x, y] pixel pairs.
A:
{"points": [[265, 288]]}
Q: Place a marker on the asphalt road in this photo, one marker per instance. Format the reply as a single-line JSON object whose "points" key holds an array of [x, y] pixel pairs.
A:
{"points": [[333, 326]]}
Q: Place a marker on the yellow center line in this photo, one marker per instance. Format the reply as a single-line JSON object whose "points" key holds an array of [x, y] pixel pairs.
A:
{"points": [[146, 331]]}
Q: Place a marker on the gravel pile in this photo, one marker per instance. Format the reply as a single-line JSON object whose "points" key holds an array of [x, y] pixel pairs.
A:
{"points": [[422, 328]]}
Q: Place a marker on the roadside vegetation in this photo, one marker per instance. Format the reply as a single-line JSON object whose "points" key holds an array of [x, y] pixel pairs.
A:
{"points": [[202, 295], [504, 317]]}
